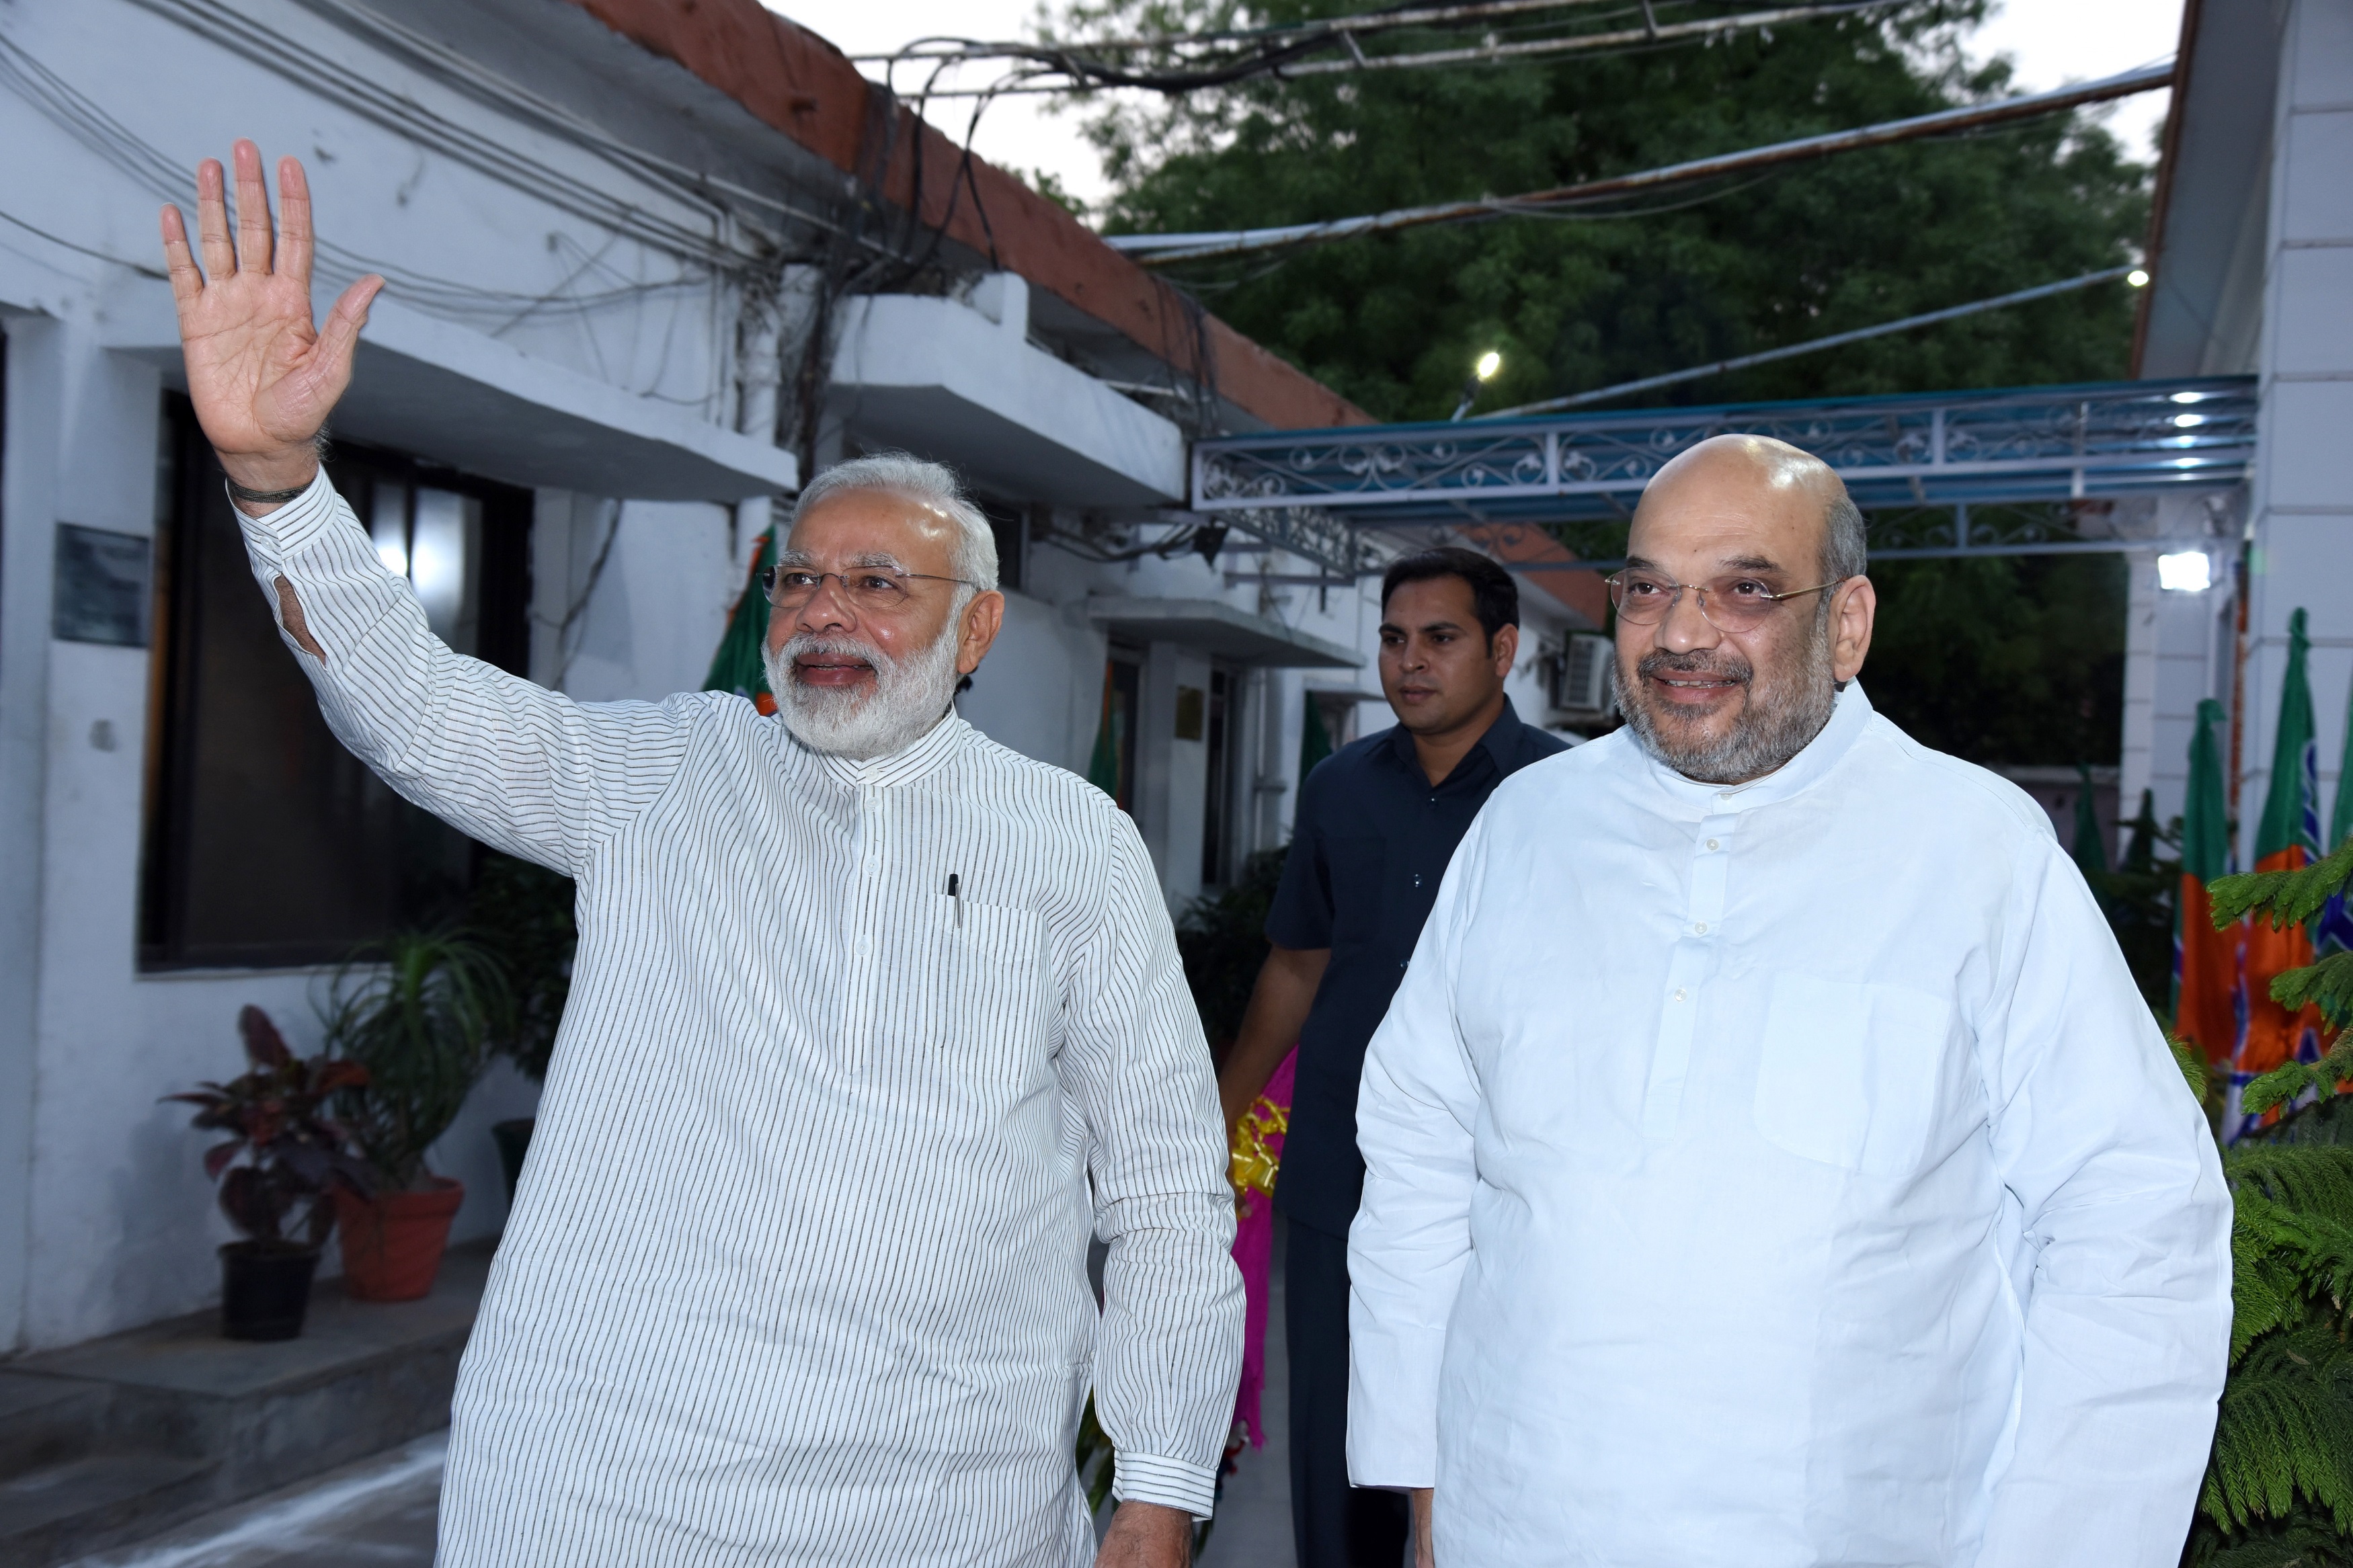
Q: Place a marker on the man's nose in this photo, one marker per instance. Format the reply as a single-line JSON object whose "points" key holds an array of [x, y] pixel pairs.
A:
{"points": [[1684, 627], [827, 609]]}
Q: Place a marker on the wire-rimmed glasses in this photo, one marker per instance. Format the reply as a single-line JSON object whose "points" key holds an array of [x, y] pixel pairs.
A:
{"points": [[872, 590], [1735, 603]]}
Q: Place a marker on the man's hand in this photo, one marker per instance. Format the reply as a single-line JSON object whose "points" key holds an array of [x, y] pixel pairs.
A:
{"points": [[1423, 1556], [1145, 1535], [262, 378], [1279, 1004]]}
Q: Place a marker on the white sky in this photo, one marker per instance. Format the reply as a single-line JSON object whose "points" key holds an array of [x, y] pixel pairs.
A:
{"points": [[2053, 42]]}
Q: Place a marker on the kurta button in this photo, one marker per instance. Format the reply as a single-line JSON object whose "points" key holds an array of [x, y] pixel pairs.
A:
{"points": [[1699, 928], [1711, 844], [865, 946], [1681, 994]]}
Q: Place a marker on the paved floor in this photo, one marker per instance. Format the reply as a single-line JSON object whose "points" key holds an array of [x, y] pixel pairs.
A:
{"points": [[379, 1513]]}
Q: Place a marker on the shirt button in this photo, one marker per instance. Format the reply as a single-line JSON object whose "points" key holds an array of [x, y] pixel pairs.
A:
{"points": [[1681, 994], [1699, 928], [1711, 844], [865, 946], [1416, 878]]}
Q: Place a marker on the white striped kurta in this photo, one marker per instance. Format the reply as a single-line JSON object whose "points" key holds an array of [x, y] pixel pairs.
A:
{"points": [[797, 1272]]}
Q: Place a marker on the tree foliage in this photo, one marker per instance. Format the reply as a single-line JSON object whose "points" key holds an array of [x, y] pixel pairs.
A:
{"points": [[1573, 302], [2279, 1488]]}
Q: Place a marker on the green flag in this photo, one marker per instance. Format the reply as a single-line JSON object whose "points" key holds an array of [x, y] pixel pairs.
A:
{"points": [[1315, 740], [2090, 854], [2205, 825], [2205, 960], [2290, 816], [736, 667]]}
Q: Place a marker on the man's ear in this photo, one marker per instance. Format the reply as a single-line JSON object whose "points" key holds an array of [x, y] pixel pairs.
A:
{"points": [[1504, 649], [1856, 608], [977, 632]]}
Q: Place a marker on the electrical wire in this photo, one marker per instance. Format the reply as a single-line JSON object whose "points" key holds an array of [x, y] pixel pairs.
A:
{"points": [[1157, 249], [99, 254], [1293, 58], [1811, 345]]}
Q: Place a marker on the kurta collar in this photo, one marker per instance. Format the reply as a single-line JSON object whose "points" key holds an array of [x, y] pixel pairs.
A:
{"points": [[919, 760], [1848, 716]]}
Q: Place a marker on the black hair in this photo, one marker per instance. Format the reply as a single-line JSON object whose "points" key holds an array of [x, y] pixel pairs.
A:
{"points": [[1494, 596]]}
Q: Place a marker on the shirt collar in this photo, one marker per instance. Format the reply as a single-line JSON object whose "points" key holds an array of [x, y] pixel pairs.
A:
{"points": [[919, 759], [1501, 742], [1848, 716]]}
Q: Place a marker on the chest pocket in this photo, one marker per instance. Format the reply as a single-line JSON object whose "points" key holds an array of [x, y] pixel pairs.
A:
{"points": [[1847, 1072], [970, 997]]}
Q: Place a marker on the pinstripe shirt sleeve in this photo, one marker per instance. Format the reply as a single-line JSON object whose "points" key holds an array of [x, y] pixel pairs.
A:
{"points": [[1169, 1352], [522, 769]]}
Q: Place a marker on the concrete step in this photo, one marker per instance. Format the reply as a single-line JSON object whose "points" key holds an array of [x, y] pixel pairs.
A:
{"points": [[98, 1501], [109, 1442]]}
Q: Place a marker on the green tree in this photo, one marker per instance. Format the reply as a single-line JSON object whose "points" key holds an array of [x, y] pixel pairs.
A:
{"points": [[1575, 302]]}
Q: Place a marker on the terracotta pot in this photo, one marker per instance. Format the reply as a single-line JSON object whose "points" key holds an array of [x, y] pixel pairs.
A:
{"points": [[393, 1242], [265, 1289]]}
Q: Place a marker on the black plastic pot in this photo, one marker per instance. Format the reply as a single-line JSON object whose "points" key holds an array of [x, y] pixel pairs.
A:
{"points": [[513, 1139], [265, 1289]]}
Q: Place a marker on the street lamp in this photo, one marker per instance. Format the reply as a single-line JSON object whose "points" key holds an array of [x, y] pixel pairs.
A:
{"points": [[2137, 277], [1484, 371]]}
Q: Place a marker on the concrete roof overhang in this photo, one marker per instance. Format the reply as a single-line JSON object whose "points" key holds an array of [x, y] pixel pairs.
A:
{"points": [[2203, 309], [459, 397], [941, 379], [1219, 628]]}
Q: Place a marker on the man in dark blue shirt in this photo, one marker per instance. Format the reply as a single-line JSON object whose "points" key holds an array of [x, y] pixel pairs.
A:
{"points": [[1376, 823]]}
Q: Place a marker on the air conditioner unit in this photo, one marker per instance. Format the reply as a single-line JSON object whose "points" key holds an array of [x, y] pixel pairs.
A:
{"points": [[1580, 674]]}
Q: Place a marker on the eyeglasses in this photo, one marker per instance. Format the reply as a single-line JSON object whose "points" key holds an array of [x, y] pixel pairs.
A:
{"points": [[1732, 604], [874, 590]]}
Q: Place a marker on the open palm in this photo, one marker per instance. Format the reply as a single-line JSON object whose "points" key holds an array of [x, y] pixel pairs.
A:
{"points": [[262, 377]]}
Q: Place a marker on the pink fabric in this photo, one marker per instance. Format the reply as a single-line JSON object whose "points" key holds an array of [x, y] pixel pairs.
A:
{"points": [[1254, 1255]]}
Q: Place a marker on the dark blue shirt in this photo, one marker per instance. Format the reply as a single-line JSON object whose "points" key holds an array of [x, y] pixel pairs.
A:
{"points": [[1368, 844]]}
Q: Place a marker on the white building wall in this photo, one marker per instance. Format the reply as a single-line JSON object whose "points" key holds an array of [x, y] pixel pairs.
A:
{"points": [[2302, 492]]}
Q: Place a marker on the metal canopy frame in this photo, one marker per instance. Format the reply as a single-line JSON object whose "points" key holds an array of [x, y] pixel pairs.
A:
{"points": [[2012, 446]]}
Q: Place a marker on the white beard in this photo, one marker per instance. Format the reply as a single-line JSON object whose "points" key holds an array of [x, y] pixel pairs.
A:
{"points": [[908, 697]]}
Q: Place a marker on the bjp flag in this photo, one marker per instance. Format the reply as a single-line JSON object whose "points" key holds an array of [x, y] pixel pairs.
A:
{"points": [[2287, 839], [737, 665], [2205, 960]]}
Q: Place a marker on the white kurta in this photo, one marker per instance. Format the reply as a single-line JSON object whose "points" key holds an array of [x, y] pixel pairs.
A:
{"points": [[797, 1271], [1786, 1175]]}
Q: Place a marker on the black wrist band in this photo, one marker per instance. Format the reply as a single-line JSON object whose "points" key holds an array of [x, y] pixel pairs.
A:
{"points": [[265, 497]]}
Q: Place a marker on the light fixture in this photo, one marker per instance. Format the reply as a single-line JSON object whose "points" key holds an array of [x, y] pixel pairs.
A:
{"points": [[1484, 370], [2184, 421], [2137, 277], [2185, 571], [2189, 397], [1489, 363]]}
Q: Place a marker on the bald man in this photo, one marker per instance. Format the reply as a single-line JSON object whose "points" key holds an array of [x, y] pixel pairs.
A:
{"points": [[1780, 1168]]}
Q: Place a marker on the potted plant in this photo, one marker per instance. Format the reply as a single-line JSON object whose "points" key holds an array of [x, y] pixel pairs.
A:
{"points": [[523, 915], [283, 1155], [421, 1023]]}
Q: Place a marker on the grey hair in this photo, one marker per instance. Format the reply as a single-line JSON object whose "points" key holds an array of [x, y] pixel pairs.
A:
{"points": [[1845, 552], [929, 484]]}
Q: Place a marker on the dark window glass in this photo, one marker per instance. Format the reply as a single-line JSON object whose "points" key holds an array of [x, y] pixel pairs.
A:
{"points": [[1008, 524], [267, 843], [1126, 688]]}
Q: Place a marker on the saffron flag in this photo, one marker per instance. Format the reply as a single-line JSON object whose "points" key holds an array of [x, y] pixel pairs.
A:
{"points": [[2288, 838], [2205, 960], [736, 667]]}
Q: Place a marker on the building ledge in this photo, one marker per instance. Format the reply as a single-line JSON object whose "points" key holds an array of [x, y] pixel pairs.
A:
{"points": [[962, 383], [446, 393], [1215, 628]]}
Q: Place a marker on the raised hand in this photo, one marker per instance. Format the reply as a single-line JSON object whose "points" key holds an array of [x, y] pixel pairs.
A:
{"points": [[262, 377]]}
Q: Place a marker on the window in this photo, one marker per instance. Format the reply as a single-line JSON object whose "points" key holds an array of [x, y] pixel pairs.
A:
{"points": [[267, 843], [1008, 524], [1122, 697], [1220, 804]]}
